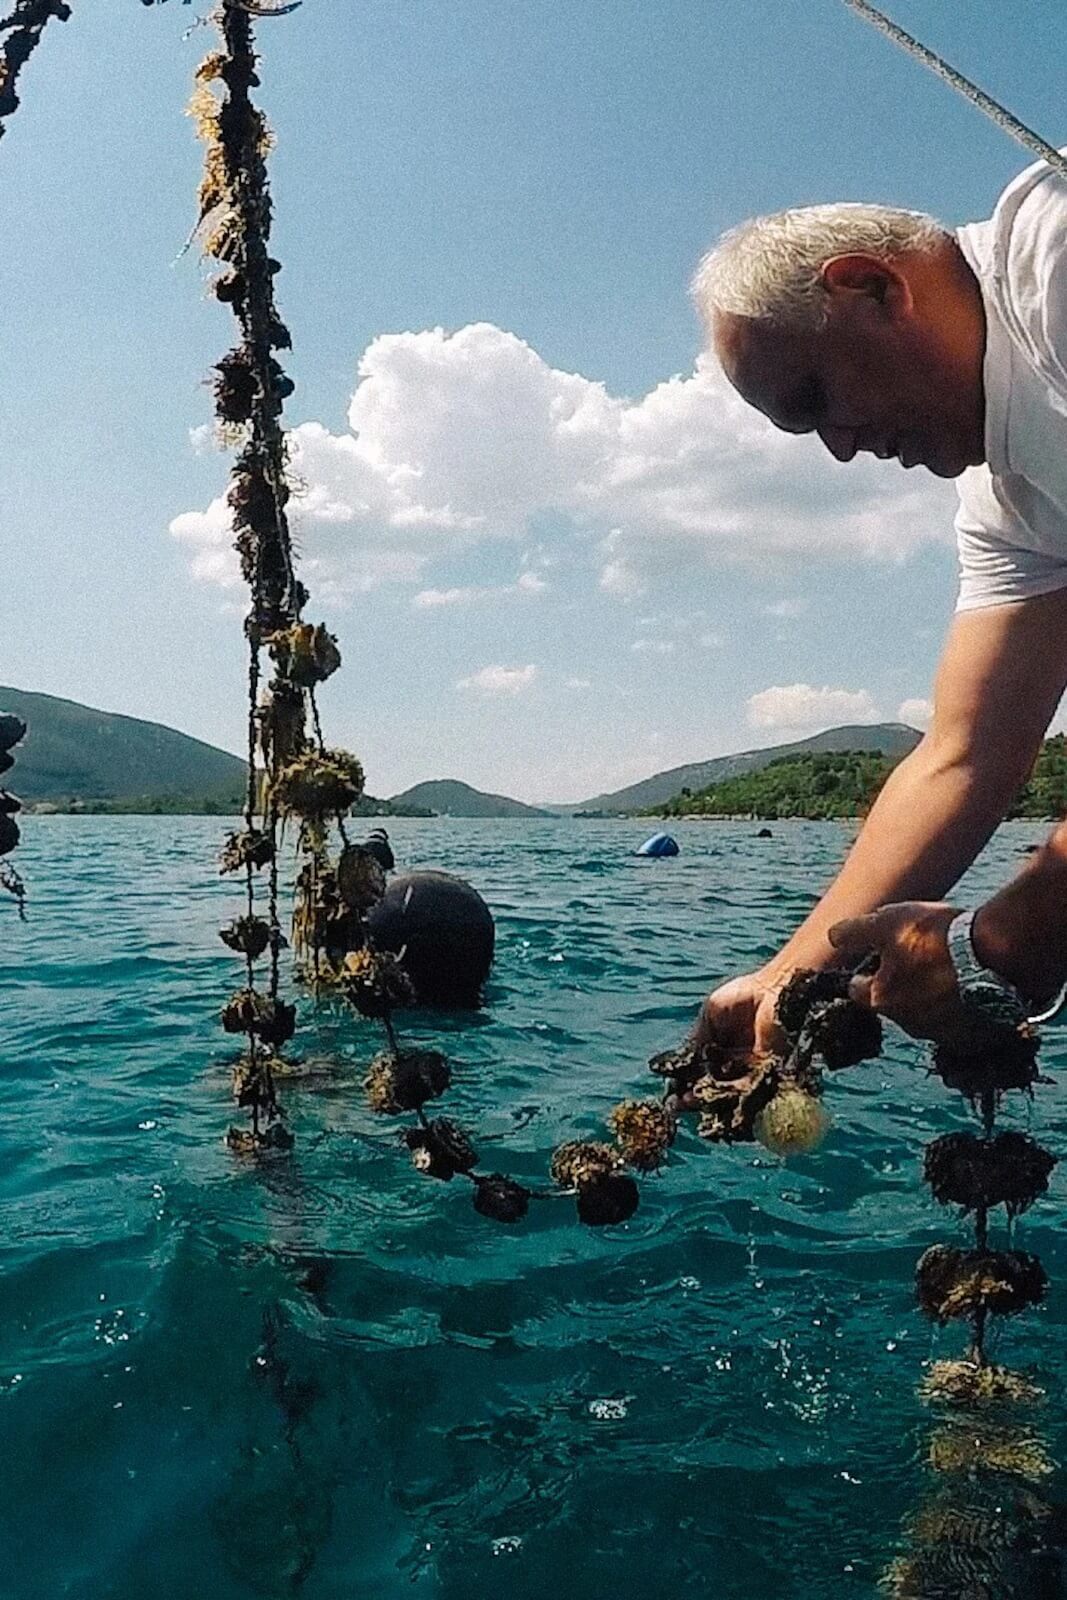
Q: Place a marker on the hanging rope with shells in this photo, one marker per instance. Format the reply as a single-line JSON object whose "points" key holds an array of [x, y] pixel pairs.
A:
{"points": [[20, 34], [12, 731]]}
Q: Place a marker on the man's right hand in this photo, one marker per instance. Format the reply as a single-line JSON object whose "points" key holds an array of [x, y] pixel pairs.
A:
{"points": [[740, 1015]]}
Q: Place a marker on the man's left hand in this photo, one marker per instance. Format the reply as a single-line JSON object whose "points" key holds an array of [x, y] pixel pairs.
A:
{"points": [[915, 984]]}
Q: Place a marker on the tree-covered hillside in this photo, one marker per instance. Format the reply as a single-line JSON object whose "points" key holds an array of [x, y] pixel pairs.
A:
{"points": [[845, 784]]}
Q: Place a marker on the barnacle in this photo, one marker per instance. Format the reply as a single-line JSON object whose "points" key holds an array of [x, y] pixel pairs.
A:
{"points": [[968, 1448], [12, 730], [9, 833], [316, 786], [249, 936], [967, 1383], [793, 1123], [374, 982], [960, 1283], [406, 1080], [305, 654], [1007, 1059], [248, 1011], [583, 1161], [250, 848], [608, 1200], [501, 1198], [732, 1105], [1009, 1169], [360, 879], [645, 1130], [440, 1149], [281, 717]]}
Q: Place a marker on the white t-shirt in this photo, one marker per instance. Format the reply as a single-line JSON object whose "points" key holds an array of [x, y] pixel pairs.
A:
{"points": [[1011, 527]]}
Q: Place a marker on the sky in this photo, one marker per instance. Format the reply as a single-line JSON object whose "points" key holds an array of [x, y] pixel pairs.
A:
{"points": [[557, 551]]}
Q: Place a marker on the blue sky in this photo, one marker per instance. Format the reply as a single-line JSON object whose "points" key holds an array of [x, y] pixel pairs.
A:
{"points": [[557, 554]]}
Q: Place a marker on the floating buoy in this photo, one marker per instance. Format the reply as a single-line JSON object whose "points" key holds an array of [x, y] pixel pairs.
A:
{"points": [[660, 844], [765, 833], [443, 932]]}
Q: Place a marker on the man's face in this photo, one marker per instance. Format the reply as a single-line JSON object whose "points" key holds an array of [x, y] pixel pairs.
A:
{"points": [[881, 375]]}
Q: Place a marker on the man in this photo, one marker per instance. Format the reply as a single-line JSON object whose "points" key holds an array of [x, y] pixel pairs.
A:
{"points": [[881, 331]]}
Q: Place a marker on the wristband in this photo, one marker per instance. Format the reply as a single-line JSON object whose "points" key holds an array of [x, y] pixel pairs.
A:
{"points": [[985, 989]]}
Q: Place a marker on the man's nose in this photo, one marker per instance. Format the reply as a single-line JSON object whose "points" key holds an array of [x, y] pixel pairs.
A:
{"points": [[841, 442]]}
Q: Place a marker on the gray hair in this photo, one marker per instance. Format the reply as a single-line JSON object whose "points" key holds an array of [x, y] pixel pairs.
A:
{"points": [[770, 268]]}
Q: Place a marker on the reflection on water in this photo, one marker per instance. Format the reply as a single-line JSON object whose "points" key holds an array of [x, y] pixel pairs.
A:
{"points": [[326, 1376]]}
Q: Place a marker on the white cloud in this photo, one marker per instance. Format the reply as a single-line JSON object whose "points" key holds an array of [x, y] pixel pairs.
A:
{"points": [[787, 608], [798, 706], [711, 641], [917, 712], [429, 599], [500, 680], [653, 647], [578, 683], [456, 438]]}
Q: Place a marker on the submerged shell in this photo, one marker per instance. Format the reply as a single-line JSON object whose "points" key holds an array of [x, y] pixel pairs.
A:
{"points": [[793, 1123], [608, 1200], [968, 1448], [274, 1137], [1006, 1060], [406, 1081], [1010, 1169], [501, 1198], [645, 1131], [965, 1383]]}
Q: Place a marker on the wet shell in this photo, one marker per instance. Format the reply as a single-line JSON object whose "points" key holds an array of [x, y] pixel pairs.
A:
{"points": [[732, 1106], [360, 879], [251, 848], [305, 654], [1007, 1060], [845, 1033], [440, 1149], [249, 936], [374, 982], [686, 1065], [501, 1198], [582, 1161], [965, 1383], [970, 1449], [952, 1283], [316, 786], [645, 1131], [804, 991], [1010, 1169], [405, 1082]]}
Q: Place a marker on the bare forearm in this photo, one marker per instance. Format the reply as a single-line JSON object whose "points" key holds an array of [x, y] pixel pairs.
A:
{"points": [[1022, 931], [933, 816]]}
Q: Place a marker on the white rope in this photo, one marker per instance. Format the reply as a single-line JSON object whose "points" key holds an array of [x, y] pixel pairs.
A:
{"points": [[970, 91]]}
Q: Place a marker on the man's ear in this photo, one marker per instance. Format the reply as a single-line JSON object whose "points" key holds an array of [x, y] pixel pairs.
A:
{"points": [[871, 277]]}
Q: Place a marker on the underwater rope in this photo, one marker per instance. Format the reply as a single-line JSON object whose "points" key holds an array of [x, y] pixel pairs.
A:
{"points": [[23, 27], [997, 113]]}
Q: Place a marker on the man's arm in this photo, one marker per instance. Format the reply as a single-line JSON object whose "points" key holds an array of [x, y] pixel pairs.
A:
{"points": [[1001, 676], [1000, 679]]}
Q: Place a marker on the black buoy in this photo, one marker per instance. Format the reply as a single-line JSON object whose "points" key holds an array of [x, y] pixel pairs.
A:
{"points": [[443, 932], [765, 833], [377, 845]]}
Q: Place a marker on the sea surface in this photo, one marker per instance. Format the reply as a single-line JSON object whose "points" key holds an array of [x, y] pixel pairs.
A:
{"points": [[324, 1375]]}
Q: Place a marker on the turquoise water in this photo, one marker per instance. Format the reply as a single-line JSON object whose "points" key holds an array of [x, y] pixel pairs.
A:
{"points": [[327, 1376]]}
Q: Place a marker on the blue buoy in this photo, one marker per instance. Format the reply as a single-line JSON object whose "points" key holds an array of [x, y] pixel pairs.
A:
{"points": [[660, 844]]}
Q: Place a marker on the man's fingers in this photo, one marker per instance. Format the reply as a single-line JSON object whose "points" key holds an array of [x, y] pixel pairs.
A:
{"points": [[861, 990], [857, 936]]}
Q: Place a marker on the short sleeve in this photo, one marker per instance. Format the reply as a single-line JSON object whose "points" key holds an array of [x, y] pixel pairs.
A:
{"points": [[997, 566]]}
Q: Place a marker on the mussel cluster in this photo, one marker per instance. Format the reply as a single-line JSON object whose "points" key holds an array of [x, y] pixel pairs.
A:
{"points": [[300, 778], [12, 731]]}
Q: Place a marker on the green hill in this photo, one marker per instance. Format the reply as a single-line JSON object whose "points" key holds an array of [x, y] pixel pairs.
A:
{"points": [[893, 739], [447, 797], [102, 760], [845, 784]]}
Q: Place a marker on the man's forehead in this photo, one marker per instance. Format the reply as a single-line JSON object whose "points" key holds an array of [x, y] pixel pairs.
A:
{"points": [[764, 363]]}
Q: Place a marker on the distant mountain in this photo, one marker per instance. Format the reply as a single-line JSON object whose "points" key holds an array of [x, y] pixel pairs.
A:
{"points": [[73, 753], [891, 738], [447, 797]]}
